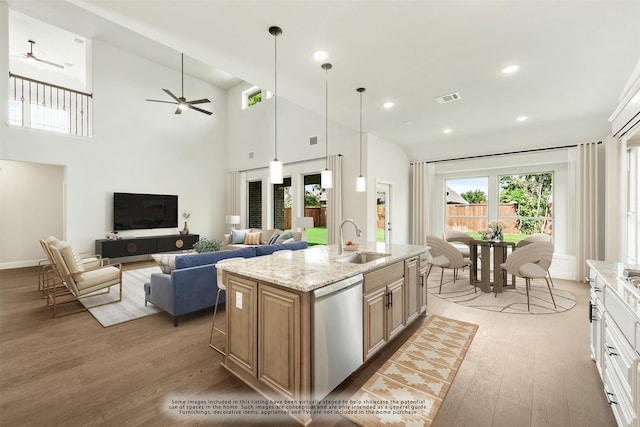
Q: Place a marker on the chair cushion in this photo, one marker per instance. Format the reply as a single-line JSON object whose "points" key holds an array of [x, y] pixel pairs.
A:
{"points": [[440, 261], [72, 259], [109, 274], [532, 271]]}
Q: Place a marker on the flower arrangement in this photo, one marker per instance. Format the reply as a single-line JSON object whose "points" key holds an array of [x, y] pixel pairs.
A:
{"points": [[186, 215], [493, 231]]}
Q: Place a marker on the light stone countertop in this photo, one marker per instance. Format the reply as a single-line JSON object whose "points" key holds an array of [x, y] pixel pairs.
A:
{"points": [[612, 274], [315, 267]]}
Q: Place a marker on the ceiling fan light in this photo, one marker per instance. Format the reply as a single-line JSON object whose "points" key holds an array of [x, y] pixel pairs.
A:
{"points": [[361, 184], [183, 106], [275, 171], [326, 179]]}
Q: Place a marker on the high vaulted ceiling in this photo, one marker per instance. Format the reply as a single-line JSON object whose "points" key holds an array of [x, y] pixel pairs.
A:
{"points": [[575, 58]]}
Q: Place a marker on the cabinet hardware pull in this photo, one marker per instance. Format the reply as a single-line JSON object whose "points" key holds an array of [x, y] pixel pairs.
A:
{"points": [[589, 280], [388, 304], [597, 289], [609, 400], [609, 352], [422, 280]]}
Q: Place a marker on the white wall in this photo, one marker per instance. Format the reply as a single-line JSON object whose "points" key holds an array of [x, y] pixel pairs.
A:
{"points": [[388, 163], [138, 146], [252, 130], [31, 210]]}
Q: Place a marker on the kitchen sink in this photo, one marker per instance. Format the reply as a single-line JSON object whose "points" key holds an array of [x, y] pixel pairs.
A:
{"points": [[362, 257]]}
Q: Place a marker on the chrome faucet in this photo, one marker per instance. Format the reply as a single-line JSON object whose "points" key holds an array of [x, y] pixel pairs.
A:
{"points": [[358, 232]]}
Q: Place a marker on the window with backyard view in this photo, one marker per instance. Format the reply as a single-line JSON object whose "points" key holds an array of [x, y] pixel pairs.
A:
{"points": [[524, 205]]}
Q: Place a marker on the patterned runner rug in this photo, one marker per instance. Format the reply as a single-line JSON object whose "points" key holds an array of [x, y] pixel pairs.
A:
{"points": [[410, 387], [132, 305]]}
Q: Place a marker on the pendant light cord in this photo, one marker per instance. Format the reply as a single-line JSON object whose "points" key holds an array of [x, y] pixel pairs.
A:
{"points": [[326, 117], [360, 131], [275, 93], [182, 73]]}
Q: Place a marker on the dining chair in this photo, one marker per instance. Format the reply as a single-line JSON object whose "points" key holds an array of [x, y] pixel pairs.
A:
{"points": [[445, 255], [221, 288], [531, 261], [461, 241], [536, 237]]}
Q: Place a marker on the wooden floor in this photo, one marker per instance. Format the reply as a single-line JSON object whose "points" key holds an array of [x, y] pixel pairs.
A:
{"points": [[521, 370]]}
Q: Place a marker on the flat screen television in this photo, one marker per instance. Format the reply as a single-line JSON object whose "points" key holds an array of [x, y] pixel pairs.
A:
{"points": [[140, 211]]}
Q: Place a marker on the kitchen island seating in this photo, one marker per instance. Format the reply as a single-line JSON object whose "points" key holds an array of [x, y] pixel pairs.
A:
{"points": [[445, 255], [531, 262]]}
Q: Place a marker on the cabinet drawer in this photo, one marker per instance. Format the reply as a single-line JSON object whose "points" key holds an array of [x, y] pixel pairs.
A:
{"points": [[620, 313], [618, 400], [620, 356], [383, 276]]}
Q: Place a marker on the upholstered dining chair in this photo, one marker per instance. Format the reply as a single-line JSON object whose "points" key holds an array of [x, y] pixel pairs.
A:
{"points": [[79, 281], [531, 261], [445, 255], [536, 237], [221, 288], [461, 241]]}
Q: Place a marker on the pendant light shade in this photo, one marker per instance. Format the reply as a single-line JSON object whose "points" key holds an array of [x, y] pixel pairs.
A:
{"points": [[326, 178], [361, 182], [275, 166]]}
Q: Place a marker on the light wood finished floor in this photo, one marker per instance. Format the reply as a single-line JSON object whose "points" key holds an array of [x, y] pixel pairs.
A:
{"points": [[521, 370]]}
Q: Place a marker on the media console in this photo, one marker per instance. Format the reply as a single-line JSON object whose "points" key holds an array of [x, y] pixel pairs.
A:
{"points": [[144, 245]]}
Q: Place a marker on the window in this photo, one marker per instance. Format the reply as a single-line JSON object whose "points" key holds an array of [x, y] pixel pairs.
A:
{"points": [[282, 198], [526, 204], [633, 206], [253, 96], [467, 205], [255, 204], [315, 206]]}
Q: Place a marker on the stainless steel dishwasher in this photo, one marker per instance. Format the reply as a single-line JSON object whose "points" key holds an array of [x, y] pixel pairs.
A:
{"points": [[336, 334]]}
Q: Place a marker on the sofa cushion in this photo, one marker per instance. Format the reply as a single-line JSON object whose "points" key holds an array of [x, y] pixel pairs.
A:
{"points": [[166, 262], [269, 249], [238, 236], [194, 260], [283, 237], [252, 238]]}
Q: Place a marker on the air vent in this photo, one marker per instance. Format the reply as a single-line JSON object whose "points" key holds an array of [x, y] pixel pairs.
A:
{"points": [[313, 140], [450, 97]]}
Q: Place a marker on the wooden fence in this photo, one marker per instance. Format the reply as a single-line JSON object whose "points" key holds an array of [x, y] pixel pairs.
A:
{"points": [[318, 213]]}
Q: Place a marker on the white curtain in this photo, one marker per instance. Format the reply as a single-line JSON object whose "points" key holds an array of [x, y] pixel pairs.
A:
{"points": [[422, 176], [586, 209], [334, 200], [235, 191], [614, 199]]}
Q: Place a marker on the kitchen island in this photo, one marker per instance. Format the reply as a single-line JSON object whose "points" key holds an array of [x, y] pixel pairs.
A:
{"points": [[276, 335]]}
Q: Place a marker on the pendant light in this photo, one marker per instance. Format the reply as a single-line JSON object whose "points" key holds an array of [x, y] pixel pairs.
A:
{"points": [[361, 183], [326, 178], [275, 166]]}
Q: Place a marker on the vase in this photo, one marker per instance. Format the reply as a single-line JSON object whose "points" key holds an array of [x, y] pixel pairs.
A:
{"points": [[497, 236], [185, 230]]}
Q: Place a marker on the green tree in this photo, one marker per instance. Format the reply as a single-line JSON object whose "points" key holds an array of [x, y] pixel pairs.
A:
{"points": [[474, 196], [532, 193]]}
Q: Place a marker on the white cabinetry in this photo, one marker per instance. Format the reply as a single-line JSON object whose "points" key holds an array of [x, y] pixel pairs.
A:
{"points": [[615, 333]]}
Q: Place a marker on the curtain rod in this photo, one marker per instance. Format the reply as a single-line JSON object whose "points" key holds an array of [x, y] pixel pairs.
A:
{"points": [[285, 164], [479, 156]]}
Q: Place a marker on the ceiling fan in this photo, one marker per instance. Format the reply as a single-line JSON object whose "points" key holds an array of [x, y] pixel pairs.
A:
{"points": [[181, 101], [32, 56]]}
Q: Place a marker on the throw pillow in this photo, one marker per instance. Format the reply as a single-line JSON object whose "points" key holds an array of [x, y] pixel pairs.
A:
{"points": [[284, 236], [273, 238], [291, 240], [237, 236], [167, 263], [252, 238]]}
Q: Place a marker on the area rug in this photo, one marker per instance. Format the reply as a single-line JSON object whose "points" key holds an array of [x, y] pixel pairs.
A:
{"points": [[410, 387], [132, 305], [509, 301]]}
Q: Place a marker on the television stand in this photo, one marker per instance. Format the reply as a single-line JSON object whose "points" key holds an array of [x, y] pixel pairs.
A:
{"points": [[133, 246]]}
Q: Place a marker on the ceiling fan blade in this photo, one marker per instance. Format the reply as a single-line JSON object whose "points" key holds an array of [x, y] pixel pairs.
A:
{"points": [[199, 101], [201, 110], [171, 95], [178, 111], [164, 102], [49, 63]]}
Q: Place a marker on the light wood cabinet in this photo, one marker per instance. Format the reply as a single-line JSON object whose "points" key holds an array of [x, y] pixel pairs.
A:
{"points": [[383, 306], [279, 348], [412, 302], [242, 337]]}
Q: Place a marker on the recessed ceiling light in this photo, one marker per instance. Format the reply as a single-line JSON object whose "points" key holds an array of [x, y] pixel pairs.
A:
{"points": [[320, 55], [510, 69], [388, 105], [408, 123], [78, 40], [522, 118], [447, 130]]}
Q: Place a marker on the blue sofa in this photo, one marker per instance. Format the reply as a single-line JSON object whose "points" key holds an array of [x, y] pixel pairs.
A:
{"points": [[193, 285]]}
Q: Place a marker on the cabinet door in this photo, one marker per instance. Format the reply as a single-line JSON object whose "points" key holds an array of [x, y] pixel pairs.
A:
{"points": [[375, 320], [395, 308], [412, 289], [242, 322], [279, 346]]}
